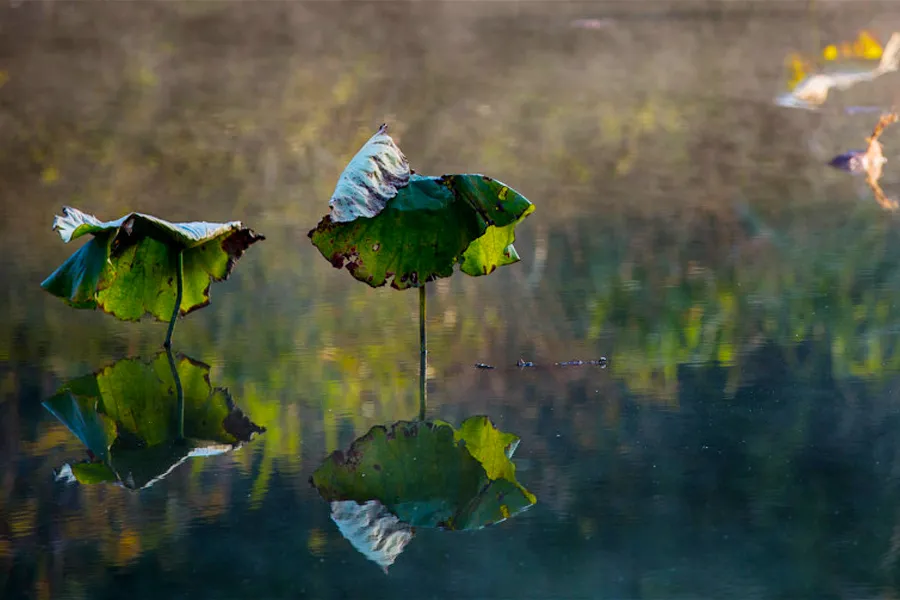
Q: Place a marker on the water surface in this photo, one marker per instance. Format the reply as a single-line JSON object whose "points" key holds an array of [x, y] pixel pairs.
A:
{"points": [[744, 440]]}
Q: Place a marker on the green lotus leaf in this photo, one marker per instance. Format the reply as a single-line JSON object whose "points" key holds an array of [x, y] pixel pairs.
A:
{"points": [[425, 474], [127, 415], [425, 227], [129, 267]]}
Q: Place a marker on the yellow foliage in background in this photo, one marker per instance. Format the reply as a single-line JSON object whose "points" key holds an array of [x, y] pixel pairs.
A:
{"points": [[864, 47]]}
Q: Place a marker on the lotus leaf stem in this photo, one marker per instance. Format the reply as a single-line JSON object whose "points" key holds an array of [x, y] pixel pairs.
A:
{"points": [[178, 293], [423, 352]]}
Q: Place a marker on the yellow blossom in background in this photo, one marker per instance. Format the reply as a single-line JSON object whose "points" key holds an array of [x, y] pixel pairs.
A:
{"points": [[799, 68], [865, 46]]}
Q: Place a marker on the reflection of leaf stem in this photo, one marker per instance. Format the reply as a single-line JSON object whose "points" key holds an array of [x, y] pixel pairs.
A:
{"points": [[423, 352], [179, 391], [178, 293]]}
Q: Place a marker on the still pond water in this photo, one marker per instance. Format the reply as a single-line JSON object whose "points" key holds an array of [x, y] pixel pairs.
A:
{"points": [[743, 440]]}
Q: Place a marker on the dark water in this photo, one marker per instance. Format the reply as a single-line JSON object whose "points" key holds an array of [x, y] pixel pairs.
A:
{"points": [[744, 440]]}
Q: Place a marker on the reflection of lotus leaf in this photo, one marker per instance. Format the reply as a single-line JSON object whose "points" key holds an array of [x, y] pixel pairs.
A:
{"points": [[127, 416], [373, 530], [388, 225], [429, 475]]}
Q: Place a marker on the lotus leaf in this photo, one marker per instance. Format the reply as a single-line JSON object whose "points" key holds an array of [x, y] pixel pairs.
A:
{"points": [[132, 266], [414, 229]]}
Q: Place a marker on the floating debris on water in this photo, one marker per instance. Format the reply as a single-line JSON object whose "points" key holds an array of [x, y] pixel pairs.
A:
{"points": [[525, 364], [601, 362], [870, 162], [812, 91]]}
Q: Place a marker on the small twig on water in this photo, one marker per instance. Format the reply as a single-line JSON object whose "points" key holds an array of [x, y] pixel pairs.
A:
{"points": [[870, 162], [526, 364]]}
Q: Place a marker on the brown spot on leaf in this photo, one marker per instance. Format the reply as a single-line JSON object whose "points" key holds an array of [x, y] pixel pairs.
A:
{"points": [[203, 304], [352, 260], [235, 244]]}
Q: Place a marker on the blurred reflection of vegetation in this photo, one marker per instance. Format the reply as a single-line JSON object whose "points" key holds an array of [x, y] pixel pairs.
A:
{"points": [[686, 222], [692, 303]]}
